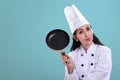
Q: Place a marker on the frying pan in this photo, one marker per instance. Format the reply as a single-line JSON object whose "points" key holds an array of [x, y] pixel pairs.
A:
{"points": [[57, 39]]}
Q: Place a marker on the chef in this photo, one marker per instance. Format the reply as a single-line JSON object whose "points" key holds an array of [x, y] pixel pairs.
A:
{"points": [[88, 59]]}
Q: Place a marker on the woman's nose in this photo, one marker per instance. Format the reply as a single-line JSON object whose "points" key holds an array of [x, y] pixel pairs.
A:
{"points": [[86, 33]]}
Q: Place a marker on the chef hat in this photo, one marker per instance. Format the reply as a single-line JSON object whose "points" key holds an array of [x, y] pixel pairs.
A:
{"points": [[74, 17]]}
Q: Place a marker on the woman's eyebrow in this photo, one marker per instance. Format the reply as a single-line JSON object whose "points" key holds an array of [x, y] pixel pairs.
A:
{"points": [[80, 30], [88, 26]]}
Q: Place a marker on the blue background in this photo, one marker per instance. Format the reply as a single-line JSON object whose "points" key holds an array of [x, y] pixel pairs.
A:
{"points": [[24, 25]]}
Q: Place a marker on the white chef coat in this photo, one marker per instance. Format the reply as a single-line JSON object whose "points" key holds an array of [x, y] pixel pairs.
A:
{"points": [[95, 64]]}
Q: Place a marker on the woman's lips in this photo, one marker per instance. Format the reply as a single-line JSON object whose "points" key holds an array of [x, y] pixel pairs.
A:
{"points": [[88, 39]]}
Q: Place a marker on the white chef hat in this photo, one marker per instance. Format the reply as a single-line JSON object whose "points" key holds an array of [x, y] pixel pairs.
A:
{"points": [[74, 17]]}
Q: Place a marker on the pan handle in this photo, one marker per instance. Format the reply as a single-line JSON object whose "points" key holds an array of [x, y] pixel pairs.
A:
{"points": [[63, 53]]}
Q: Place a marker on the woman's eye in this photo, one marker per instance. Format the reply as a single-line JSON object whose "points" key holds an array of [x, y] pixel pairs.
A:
{"points": [[81, 32], [88, 29]]}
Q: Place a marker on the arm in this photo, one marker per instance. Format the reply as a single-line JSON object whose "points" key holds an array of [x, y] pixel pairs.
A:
{"points": [[70, 72], [72, 76]]}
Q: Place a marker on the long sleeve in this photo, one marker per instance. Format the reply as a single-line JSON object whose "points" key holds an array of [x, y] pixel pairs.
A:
{"points": [[103, 67], [73, 76]]}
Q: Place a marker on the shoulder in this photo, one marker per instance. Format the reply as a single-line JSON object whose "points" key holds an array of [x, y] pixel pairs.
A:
{"points": [[104, 48]]}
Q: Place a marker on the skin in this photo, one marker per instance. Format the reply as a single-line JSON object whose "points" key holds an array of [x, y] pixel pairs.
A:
{"points": [[84, 34]]}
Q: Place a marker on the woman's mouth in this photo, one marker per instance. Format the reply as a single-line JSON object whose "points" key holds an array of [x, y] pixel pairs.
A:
{"points": [[88, 39]]}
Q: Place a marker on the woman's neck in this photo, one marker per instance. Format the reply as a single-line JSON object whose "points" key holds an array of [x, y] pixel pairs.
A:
{"points": [[86, 47]]}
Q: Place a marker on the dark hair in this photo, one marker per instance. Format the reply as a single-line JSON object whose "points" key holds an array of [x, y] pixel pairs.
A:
{"points": [[77, 44]]}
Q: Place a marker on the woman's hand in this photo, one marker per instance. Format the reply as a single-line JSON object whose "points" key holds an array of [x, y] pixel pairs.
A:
{"points": [[67, 61]]}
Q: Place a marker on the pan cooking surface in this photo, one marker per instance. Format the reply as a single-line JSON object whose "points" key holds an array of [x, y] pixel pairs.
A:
{"points": [[57, 39]]}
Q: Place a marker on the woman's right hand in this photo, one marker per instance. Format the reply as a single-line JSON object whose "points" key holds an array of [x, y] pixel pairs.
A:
{"points": [[67, 61]]}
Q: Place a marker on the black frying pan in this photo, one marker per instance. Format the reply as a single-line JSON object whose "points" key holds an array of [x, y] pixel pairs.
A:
{"points": [[57, 39]]}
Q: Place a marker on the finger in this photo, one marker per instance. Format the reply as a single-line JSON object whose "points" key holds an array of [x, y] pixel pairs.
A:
{"points": [[67, 56], [65, 59], [66, 62]]}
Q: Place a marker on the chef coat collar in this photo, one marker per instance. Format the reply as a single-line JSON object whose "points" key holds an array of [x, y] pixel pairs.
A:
{"points": [[91, 49]]}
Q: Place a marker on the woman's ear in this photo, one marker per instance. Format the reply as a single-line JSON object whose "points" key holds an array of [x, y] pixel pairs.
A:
{"points": [[75, 38]]}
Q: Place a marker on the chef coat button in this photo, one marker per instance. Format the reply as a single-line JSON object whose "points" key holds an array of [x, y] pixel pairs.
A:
{"points": [[91, 64], [81, 54], [82, 76], [82, 65], [92, 54]]}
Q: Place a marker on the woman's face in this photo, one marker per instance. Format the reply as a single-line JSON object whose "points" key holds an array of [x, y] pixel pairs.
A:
{"points": [[84, 34]]}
